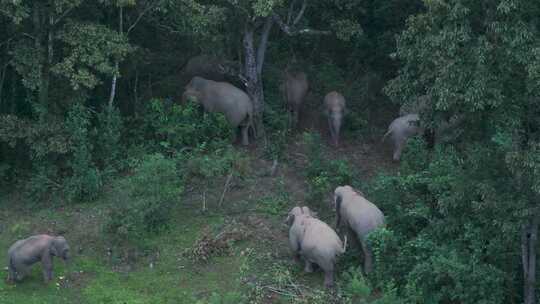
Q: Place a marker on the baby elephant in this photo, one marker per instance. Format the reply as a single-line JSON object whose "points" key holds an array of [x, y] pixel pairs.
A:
{"points": [[23, 253], [354, 211], [334, 108], [315, 241], [400, 130]]}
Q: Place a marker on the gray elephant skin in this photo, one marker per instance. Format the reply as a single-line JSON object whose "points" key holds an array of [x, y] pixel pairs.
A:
{"points": [[38, 248], [334, 109], [355, 212], [295, 88], [400, 130], [225, 98], [314, 241]]}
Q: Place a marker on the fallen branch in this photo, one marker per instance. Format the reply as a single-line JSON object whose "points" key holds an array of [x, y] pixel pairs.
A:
{"points": [[274, 167], [225, 188]]}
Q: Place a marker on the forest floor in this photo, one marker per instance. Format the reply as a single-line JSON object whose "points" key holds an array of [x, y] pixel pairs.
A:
{"points": [[244, 240]]}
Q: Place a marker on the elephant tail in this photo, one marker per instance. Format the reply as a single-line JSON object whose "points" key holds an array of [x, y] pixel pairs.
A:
{"points": [[344, 244], [386, 134], [251, 125]]}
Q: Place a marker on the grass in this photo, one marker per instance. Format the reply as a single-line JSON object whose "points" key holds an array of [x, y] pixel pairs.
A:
{"points": [[259, 266]]}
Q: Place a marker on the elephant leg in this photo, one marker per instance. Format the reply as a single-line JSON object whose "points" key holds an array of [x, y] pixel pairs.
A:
{"points": [[245, 135], [331, 129], [19, 273], [12, 274], [329, 278], [308, 266], [47, 265], [398, 148], [368, 257]]}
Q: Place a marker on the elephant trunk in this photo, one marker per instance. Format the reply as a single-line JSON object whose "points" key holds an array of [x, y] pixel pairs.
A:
{"points": [[336, 123]]}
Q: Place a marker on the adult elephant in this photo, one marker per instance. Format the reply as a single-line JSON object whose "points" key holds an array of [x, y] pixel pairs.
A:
{"points": [[223, 97], [294, 89]]}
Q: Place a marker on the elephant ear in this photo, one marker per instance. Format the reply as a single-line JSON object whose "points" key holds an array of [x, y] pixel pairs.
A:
{"points": [[57, 246], [290, 219], [337, 203], [53, 248]]}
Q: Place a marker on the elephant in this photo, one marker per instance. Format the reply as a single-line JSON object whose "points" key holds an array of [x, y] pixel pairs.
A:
{"points": [[358, 214], [209, 67], [225, 98], [43, 247], [334, 104], [400, 130], [294, 88], [315, 241]]}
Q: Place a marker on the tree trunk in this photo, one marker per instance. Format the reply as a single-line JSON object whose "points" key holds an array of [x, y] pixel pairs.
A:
{"points": [[2, 80], [37, 16], [529, 240], [116, 64], [254, 84]]}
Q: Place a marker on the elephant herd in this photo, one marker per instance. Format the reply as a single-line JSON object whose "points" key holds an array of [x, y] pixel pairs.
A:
{"points": [[310, 238], [236, 105], [317, 243]]}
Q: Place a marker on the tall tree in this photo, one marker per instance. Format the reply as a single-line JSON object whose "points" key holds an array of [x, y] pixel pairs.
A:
{"points": [[480, 61]]}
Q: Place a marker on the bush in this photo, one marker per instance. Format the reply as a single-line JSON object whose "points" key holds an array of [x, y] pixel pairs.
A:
{"points": [[444, 243], [143, 201], [276, 122], [85, 178], [324, 175], [356, 289], [176, 127], [108, 145]]}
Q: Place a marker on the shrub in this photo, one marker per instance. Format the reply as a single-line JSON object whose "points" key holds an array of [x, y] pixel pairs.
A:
{"points": [[85, 178], [278, 131], [356, 289], [108, 145], [324, 175], [178, 127], [143, 201], [444, 243]]}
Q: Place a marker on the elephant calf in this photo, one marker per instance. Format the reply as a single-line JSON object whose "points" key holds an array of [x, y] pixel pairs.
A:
{"points": [[225, 98], [400, 130], [23, 253], [315, 241], [334, 108], [354, 211]]}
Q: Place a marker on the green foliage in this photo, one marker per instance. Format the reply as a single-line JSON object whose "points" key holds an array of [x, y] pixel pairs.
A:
{"points": [[445, 241], [93, 50], [324, 175], [109, 148], [356, 288], [84, 181], [143, 200], [185, 126]]}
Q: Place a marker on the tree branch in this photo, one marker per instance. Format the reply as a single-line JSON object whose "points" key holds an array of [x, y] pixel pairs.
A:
{"points": [[64, 14], [292, 31], [300, 13], [261, 50], [146, 10], [289, 14]]}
